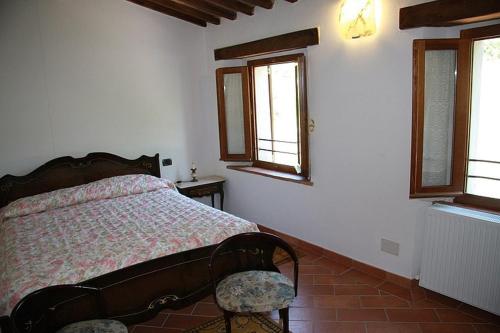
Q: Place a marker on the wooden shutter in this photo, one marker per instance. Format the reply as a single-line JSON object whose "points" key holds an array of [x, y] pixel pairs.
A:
{"points": [[422, 183], [235, 133]]}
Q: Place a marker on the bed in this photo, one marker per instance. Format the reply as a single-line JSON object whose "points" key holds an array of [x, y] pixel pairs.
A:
{"points": [[108, 223]]}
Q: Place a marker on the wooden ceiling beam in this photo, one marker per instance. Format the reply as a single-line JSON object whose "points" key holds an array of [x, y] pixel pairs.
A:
{"points": [[268, 4], [202, 11], [171, 4], [168, 11], [442, 13], [290, 41], [234, 5], [209, 8]]}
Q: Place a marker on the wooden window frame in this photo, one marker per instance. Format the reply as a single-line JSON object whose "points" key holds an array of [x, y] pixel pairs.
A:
{"points": [[247, 118], [461, 118], [250, 121], [471, 200], [302, 134], [464, 68]]}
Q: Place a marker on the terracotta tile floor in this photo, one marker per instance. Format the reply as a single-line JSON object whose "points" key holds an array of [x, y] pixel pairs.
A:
{"points": [[334, 298]]}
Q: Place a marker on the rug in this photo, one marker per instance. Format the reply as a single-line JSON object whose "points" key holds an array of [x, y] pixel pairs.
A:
{"points": [[255, 323]]}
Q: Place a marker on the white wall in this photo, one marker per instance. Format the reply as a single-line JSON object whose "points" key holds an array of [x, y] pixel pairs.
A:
{"points": [[359, 94], [78, 76], [106, 75]]}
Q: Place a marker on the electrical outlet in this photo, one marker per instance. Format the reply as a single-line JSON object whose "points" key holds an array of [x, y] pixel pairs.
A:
{"points": [[166, 161], [389, 246]]}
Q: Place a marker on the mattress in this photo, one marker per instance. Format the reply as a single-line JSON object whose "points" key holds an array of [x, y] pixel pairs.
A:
{"points": [[72, 235]]}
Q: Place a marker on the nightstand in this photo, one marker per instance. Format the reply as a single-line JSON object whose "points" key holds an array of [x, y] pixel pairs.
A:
{"points": [[206, 186]]}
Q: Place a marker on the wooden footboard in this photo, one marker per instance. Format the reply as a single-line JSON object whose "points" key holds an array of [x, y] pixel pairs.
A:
{"points": [[138, 292], [131, 295]]}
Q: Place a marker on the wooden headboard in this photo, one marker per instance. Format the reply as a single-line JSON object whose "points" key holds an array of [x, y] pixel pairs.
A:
{"points": [[67, 171]]}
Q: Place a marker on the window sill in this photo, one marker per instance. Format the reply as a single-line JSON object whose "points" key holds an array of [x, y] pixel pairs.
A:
{"points": [[481, 203], [272, 174], [467, 206], [467, 211]]}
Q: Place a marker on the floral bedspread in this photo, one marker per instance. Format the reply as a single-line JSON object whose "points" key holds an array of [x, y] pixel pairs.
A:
{"points": [[89, 232]]}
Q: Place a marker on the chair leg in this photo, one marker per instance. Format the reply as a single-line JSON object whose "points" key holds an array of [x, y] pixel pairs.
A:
{"points": [[227, 320], [284, 319], [5, 324]]}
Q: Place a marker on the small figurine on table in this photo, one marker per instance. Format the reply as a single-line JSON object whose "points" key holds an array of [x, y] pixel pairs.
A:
{"points": [[193, 173]]}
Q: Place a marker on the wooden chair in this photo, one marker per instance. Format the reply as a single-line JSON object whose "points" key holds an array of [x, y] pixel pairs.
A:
{"points": [[5, 324], [245, 279], [53, 309]]}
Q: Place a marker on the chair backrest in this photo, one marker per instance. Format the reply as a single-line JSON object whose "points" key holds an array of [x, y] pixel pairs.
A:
{"points": [[246, 252], [48, 309]]}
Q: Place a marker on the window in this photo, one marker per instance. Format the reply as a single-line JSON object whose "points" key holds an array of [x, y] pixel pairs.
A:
{"points": [[439, 140], [276, 136], [233, 91], [456, 117], [483, 172]]}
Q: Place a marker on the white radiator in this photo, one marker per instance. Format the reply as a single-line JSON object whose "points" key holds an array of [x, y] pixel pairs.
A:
{"points": [[461, 257]]}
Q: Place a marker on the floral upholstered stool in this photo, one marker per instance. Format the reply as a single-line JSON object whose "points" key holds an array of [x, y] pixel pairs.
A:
{"points": [[95, 326], [255, 291]]}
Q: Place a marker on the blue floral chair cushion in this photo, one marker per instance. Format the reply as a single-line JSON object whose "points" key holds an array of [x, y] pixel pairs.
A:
{"points": [[255, 291], [95, 326]]}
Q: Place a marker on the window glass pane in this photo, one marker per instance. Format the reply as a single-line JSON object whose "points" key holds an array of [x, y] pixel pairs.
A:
{"points": [[284, 99], [233, 100], [484, 169], [263, 114], [483, 187], [266, 156], [286, 147], [439, 105], [262, 105], [285, 159], [484, 146], [277, 113], [265, 144]]}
